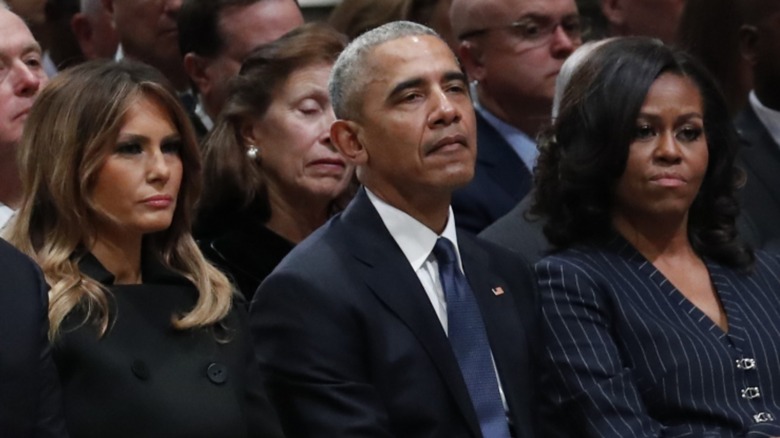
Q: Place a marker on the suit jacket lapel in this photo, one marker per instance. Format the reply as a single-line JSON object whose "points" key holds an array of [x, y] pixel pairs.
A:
{"points": [[388, 274], [505, 331]]}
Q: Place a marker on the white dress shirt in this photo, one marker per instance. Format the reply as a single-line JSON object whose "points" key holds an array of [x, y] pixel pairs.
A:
{"points": [[416, 242]]}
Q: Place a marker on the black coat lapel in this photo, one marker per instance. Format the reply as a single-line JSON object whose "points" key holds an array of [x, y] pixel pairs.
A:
{"points": [[388, 274], [498, 303]]}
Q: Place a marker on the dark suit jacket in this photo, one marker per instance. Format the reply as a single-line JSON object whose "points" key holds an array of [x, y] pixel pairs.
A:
{"points": [[145, 379], [30, 404], [632, 357], [500, 181], [760, 157], [518, 234], [353, 348]]}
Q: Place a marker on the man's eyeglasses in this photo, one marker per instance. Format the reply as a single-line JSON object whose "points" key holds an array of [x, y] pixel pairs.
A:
{"points": [[538, 29]]}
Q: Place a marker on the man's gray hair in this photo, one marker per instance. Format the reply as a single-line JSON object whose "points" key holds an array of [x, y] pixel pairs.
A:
{"points": [[4, 5], [349, 74]]}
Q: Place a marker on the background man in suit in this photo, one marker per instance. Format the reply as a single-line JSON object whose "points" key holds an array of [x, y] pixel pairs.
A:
{"points": [[759, 123], [358, 329], [21, 80], [512, 50], [30, 404], [516, 231], [216, 35]]}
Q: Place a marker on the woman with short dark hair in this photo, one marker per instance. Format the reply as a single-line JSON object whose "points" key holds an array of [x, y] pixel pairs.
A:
{"points": [[660, 321]]}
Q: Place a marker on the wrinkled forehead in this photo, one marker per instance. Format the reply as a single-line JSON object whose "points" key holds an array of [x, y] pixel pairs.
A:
{"points": [[14, 34], [487, 13], [410, 56]]}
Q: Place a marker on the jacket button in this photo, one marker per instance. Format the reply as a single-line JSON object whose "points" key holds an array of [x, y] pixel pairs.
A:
{"points": [[217, 373], [140, 369]]}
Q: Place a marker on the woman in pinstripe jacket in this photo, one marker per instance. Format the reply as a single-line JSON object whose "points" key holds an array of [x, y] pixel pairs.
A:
{"points": [[660, 322]]}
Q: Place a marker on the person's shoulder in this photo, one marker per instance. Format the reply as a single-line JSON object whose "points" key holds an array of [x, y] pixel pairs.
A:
{"points": [[767, 262], [581, 259], [10, 254], [16, 266]]}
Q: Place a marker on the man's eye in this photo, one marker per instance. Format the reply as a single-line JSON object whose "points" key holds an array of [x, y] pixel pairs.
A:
{"points": [[33, 62], [530, 30], [412, 97]]}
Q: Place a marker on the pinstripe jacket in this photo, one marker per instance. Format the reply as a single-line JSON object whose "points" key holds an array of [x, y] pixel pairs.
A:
{"points": [[632, 357]]}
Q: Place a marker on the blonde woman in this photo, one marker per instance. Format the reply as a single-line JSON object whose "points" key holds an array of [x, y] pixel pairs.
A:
{"points": [[146, 337]]}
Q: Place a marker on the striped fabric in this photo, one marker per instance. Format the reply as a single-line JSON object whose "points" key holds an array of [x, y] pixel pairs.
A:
{"points": [[632, 357]]}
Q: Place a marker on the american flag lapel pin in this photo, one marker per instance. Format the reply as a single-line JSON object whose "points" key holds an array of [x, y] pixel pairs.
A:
{"points": [[498, 290]]}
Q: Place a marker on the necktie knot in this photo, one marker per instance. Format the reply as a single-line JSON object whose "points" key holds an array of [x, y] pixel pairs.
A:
{"points": [[444, 251]]}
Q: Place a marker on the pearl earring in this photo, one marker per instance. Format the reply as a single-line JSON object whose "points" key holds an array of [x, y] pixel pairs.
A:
{"points": [[252, 152]]}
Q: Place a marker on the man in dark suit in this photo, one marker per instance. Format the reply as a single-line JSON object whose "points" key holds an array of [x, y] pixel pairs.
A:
{"points": [[358, 329], [759, 123], [512, 50], [30, 404]]}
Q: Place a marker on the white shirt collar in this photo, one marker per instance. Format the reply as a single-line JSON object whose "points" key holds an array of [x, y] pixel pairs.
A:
{"points": [[200, 111], [415, 239], [768, 117], [6, 213]]}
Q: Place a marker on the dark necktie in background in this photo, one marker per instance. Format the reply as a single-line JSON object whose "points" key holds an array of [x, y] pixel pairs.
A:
{"points": [[469, 341]]}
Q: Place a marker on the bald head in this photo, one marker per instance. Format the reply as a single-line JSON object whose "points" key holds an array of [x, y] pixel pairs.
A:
{"points": [[513, 50], [470, 15]]}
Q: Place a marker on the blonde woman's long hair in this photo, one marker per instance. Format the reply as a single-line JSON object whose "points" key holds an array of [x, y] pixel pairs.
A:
{"points": [[71, 129]]}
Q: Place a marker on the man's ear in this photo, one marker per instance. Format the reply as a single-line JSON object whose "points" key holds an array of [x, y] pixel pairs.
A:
{"points": [[345, 136], [613, 12], [196, 68], [82, 31], [470, 55], [748, 43]]}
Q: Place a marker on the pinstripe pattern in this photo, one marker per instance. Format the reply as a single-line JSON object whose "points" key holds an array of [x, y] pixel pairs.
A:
{"points": [[632, 357]]}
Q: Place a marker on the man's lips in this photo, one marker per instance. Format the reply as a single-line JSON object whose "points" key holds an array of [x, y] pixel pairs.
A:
{"points": [[449, 142], [22, 114]]}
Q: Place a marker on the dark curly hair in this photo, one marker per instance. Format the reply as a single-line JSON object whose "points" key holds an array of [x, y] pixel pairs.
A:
{"points": [[584, 152]]}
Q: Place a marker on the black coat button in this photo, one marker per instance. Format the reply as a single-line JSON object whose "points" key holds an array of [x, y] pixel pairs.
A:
{"points": [[140, 369], [217, 373]]}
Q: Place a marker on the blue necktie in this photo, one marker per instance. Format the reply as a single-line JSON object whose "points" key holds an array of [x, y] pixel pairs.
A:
{"points": [[469, 341]]}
